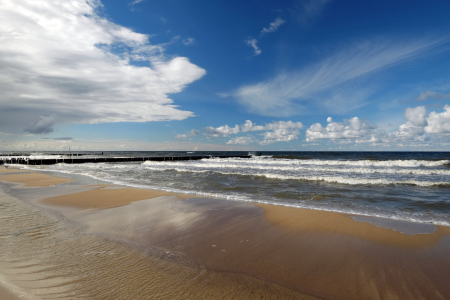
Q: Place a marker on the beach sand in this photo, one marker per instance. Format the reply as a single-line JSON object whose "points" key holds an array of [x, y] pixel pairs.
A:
{"points": [[33, 179], [216, 248], [4, 170], [106, 197], [6, 294]]}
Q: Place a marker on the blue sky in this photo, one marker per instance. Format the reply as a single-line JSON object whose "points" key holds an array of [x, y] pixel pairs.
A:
{"points": [[224, 75]]}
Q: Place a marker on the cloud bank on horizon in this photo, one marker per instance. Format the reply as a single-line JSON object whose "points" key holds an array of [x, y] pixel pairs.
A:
{"points": [[419, 127], [276, 76]]}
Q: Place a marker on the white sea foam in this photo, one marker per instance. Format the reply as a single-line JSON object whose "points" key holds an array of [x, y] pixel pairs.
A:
{"points": [[330, 179], [303, 168], [412, 163]]}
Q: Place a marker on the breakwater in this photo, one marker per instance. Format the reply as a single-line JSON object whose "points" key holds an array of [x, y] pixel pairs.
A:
{"points": [[71, 160]]}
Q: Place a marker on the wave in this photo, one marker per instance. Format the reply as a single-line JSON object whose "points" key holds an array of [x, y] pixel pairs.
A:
{"points": [[289, 157], [330, 179], [118, 178], [362, 163], [301, 168]]}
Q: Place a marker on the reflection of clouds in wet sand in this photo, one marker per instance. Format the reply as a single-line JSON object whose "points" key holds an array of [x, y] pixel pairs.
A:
{"points": [[159, 242], [51, 258]]}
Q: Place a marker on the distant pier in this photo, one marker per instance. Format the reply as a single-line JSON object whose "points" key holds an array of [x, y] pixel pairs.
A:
{"points": [[70, 160]]}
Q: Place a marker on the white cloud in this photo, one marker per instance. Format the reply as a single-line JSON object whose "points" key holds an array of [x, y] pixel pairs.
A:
{"points": [[136, 2], [188, 41], [432, 95], [353, 128], [407, 131], [192, 133], [252, 43], [280, 135], [416, 116], [329, 119], [273, 26], [362, 131], [249, 126], [61, 58], [439, 122], [286, 93], [242, 140], [281, 131], [221, 131]]}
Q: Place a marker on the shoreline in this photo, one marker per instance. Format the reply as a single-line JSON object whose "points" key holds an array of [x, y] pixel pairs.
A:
{"points": [[325, 254]]}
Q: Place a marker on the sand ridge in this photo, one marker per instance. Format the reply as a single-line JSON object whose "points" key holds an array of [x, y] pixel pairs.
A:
{"points": [[102, 196], [4, 170], [301, 220], [34, 179]]}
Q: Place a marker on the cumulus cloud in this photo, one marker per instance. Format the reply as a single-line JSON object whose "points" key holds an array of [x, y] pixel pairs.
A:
{"points": [[287, 92], [279, 131], [416, 116], [439, 122], [211, 132], [362, 131], [249, 126], [242, 140], [407, 131], [61, 58], [280, 135], [252, 43], [273, 26], [432, 95], [192, 133], [350, 129], [43, 126]]}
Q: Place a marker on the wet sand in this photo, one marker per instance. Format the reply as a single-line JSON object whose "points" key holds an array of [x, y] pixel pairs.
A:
{"points": [[257, 250], [6, 294], [4, 170], [106, 197], [34, 179]]}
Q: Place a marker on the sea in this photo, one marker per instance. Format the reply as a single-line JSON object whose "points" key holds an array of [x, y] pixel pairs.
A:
{"points": [[410, 186]]}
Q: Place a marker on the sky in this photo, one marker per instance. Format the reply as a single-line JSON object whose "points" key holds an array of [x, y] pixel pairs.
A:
{"points": [[294, 75]]}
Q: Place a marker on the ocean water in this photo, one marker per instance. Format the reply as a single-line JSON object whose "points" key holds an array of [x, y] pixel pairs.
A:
{"points": [[413, 186]]}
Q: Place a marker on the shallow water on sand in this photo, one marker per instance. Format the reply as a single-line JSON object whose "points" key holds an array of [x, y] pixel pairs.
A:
{"points": [[45, 256]]}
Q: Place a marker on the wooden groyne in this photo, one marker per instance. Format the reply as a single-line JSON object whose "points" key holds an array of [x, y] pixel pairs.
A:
{"points": [[70, 160]]}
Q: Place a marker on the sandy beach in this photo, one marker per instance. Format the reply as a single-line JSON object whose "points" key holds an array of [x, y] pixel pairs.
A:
{"points": [[132, 243], [6, 294]]}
